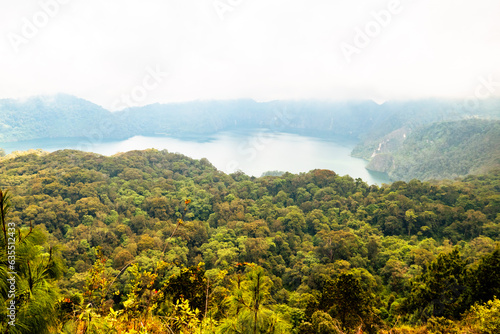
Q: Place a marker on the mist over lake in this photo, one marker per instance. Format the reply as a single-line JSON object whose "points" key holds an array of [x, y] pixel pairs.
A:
{"points": [[253, 153]]}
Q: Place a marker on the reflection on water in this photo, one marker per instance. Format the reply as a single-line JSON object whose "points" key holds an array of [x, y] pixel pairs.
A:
{"points": [[253, 153]]}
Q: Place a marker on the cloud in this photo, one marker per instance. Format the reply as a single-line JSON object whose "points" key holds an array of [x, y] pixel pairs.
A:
{"points": [[262, 49]]}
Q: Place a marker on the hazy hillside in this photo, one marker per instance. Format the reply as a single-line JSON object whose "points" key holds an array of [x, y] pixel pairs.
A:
{"points": [[67, 116], [320, 119], [50, 117], [380, 130], [440, 150], [397, 119]]}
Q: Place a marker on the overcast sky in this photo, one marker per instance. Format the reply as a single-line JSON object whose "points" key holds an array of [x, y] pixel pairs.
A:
{"points": [[116, 53]]}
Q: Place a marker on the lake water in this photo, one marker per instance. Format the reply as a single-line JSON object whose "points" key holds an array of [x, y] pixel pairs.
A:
{"points": [[253, 153]]}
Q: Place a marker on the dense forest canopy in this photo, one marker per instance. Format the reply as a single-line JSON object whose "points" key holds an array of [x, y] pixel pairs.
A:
{"points": [[155, 242]]}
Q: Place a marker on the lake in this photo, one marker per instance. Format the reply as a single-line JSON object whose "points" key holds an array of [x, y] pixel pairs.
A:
{"points": [[253, 153]]}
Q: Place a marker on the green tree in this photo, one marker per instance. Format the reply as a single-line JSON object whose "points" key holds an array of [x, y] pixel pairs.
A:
{"points": [[484, 281], [411, 219], [189, 284], [249, 311], [32, 270], [439, 290], [294, 220], [323, 323], [345, 298]]}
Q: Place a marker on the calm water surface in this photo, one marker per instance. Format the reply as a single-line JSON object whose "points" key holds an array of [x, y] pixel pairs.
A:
{"points": [[253, 153]]}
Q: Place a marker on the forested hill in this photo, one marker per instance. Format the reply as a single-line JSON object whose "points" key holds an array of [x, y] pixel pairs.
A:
{"points": [[57, 116], [154, 241], [440, 150]]}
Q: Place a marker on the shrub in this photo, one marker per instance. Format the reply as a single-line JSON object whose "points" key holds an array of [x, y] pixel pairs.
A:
{"points": [[484, 319]]}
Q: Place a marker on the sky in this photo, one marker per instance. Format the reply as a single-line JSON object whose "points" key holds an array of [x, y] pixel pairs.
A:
{"points": [[125, 53]]}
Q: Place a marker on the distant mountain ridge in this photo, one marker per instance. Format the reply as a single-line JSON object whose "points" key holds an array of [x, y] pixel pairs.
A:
{"points": [[68, 116], [378, 129], [49, 117]]}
